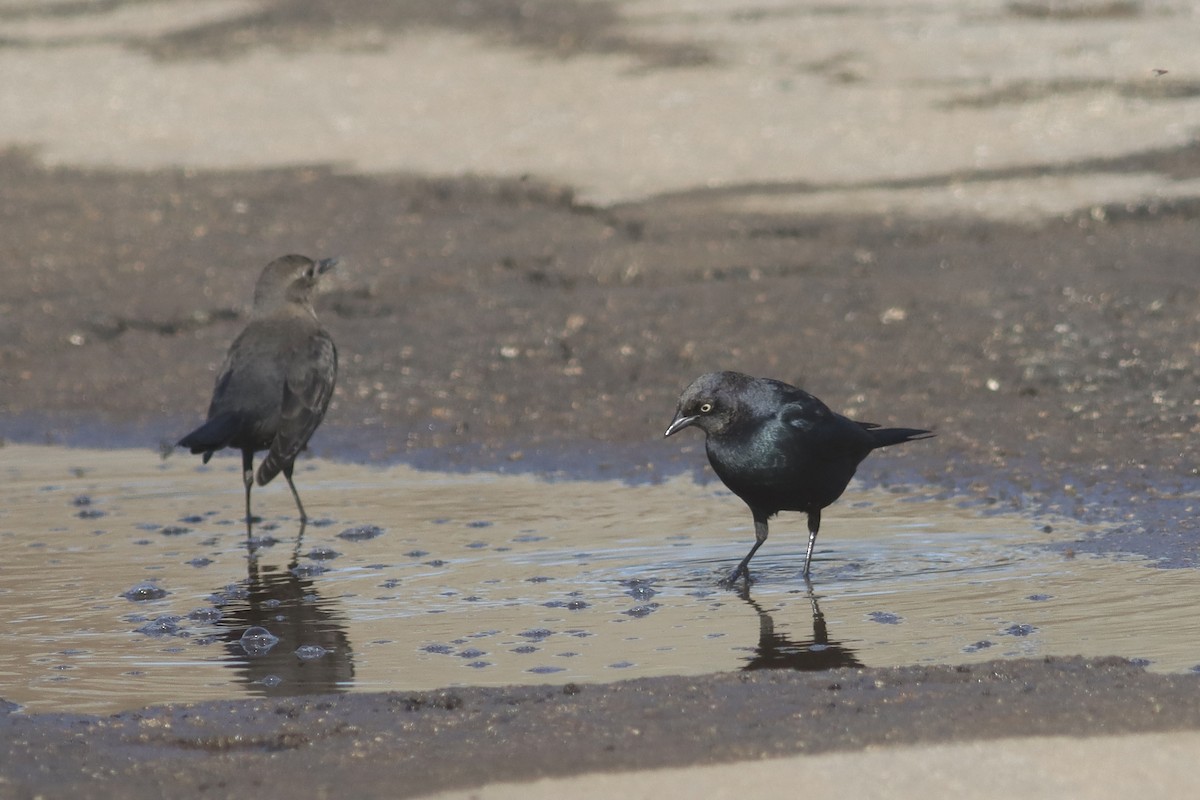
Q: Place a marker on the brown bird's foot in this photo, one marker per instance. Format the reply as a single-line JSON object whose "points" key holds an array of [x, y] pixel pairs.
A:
{"points": [[299, 543]]}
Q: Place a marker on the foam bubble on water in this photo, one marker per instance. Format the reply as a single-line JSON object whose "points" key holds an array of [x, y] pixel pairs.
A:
{"points": [[146, 590], [208, 614], [1019, 630], [161, 626], [323, 554], [361, 533], [310, 652], [258, 641]]}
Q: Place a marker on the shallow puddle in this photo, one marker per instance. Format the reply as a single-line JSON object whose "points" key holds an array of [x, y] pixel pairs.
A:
{"points": [[129, 580]]}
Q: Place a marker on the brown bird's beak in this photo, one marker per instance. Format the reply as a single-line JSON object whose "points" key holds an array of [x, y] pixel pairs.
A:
{"points": [[326, 264], [678, 424]]}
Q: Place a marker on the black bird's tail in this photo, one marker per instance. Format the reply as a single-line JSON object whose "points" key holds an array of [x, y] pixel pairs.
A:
{"points": [[885, 437], [211, 436]]}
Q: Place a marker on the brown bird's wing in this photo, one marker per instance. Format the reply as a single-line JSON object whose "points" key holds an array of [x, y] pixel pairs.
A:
{"points": [[306, 393]]}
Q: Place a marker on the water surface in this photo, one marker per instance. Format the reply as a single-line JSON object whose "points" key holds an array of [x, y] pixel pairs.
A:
{"points": [[129, 580]]}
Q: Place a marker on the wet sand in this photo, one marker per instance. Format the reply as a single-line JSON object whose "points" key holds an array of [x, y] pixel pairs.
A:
{"points": [[411, 744], [976, 218]]}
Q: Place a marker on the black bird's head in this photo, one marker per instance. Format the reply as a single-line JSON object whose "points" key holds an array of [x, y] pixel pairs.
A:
{"points": [[289, 279], [711, 403]]}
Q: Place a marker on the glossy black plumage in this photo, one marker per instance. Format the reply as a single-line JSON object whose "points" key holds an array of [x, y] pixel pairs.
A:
{"points": [[274, 387], [778, 447]]}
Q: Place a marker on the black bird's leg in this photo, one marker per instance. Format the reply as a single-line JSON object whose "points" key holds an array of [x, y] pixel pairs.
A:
{"points": [[287, 473], [248, 481], [814, 524], [820, 631], [760, 536]]}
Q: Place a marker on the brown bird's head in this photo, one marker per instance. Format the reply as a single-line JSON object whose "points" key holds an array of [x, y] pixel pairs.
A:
{"points": [[289, 279], [710, 403]]}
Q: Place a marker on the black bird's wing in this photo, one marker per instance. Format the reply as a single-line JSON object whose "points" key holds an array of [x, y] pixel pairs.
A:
{"points": [[804, 413], [827, 434], [819, 450], [308, 387]]}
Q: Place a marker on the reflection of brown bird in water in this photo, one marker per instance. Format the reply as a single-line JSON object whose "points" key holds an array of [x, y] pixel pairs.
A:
{"points": [[777, 651], [287, 602], [277, 379]]}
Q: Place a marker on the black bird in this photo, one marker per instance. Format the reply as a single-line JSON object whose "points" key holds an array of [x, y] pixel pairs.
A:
{"points": [[274, 387], [778, 447]]}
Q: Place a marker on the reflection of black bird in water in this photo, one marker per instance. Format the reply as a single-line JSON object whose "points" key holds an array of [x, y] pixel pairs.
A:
{"points": [[287, 604], [277, 379], [776, 651], [778, 447]]}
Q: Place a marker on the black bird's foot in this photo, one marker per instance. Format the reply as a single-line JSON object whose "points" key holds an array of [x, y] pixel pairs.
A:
{"points": [[740, 573]]}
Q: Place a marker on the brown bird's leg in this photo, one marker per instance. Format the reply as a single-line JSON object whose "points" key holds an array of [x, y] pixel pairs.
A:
{"points": [[248, 481], [760, 536], [299, 543], [287, 473], [814, 524]]}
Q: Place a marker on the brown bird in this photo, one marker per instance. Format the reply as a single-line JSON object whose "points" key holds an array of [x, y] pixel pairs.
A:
{"points": [[277, 379], [778, 447]]}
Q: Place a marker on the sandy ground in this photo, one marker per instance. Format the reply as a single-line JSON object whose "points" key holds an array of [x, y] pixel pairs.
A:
{"points": [[978, 217], [1034, 767]]}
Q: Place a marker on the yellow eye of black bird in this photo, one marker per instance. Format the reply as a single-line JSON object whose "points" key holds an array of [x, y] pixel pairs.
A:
{"points": [[705, 408]]}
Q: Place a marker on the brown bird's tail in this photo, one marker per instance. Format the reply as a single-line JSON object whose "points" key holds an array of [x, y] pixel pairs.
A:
{"points": [[213, 435]]}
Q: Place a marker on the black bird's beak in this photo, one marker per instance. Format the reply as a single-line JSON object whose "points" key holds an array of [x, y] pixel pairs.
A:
{"points": [[326, 264], [678, 424]]}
